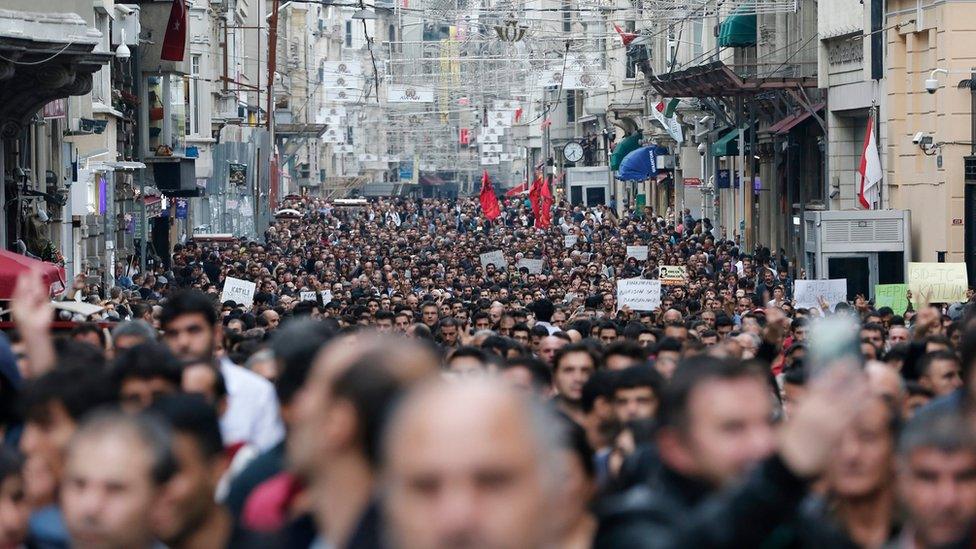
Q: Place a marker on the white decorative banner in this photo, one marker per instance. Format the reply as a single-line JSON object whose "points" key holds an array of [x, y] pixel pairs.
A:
{"points": [[491, 148], [506, 157], [590, 80], [549, 78], [343, 67], [490, 161], [507, 105], [368, 158], [500, 119], [342, 96], [334, 135], [343, 81], [488, 138], [402, 93]]}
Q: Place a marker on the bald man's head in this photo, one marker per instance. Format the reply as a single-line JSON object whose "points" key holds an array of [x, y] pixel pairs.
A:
{"points": [[470, 464]]}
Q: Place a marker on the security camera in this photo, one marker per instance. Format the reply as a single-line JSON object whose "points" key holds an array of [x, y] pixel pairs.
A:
{"points": [[931, 85], [918, 137], [701, 149]]}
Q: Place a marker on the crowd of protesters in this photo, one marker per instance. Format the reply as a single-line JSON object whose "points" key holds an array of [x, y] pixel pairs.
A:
{"points": [[385, 388]]}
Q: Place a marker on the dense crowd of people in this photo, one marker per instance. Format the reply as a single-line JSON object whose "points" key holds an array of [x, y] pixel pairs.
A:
{"points": [[388, 386]]}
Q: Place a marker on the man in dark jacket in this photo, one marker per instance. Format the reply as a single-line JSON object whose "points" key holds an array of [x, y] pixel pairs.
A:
{"points": [[726, 478]]}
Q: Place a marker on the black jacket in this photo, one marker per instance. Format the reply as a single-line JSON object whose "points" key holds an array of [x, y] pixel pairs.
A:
{"points": [[673, 511]]}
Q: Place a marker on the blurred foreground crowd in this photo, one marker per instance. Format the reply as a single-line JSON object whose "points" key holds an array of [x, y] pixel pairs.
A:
{"points": [[424, 400]]}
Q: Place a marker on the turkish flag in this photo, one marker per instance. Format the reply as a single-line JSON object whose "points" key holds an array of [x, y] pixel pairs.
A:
{"points": [[174, 41], [464, 136], [626, 37], [489, 202], [544, 219]]}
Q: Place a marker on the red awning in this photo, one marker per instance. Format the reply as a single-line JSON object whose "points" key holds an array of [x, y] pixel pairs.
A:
{"points": [[789, 123], [12, 265], [523, 188]]}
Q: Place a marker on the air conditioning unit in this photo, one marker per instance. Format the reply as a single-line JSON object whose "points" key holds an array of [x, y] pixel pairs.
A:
{"points": [[867, 247]]}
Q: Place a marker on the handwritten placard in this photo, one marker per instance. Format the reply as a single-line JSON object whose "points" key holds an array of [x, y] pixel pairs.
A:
{"points": [[326, 296], [637, 252], [673, 275], [938, 282], [239, 291], [308, 296], [639, 294], [570, 240], [496, 258], [891, 295], [807, 293], [533, 265]]}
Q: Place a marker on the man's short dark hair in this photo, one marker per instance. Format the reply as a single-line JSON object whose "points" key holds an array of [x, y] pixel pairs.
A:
{"points": [[927, 359], [637, 376], [192, 415], [78, 388], [600, 384], [89, 328], [521, 327], [468, 351], [384, 315], [146, 361], [574, 348], [541, 375], [668, 344], [722, 321], [691, 373], [294, 346], [539, 331], [186, 302], [626, 348]]}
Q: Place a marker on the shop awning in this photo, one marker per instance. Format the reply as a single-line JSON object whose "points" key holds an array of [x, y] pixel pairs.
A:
{"points": [[794, 121], [431, 179], [626, 146], [739, 28], [639, 165], [12, 265], [727, 145]]}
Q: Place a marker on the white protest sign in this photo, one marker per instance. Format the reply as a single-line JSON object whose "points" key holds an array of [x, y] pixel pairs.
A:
{"points": [[239, 291], [807, 293], [326, 296], [938, 282], [533, 265], [307, 296], [496, 258], [639, 294], [570, 240], [637, 252]]}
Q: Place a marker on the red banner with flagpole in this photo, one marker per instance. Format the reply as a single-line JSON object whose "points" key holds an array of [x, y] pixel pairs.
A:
{"points": [[489, 202]]}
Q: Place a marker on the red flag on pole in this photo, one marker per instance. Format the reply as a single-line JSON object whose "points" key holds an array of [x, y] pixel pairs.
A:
{"points": [[534, 195], [544, 219], [174, 41], [489, 202]]}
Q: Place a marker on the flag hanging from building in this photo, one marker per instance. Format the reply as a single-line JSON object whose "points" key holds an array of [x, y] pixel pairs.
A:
{"points": [[869, 171], [664, 113], [174, 41], [464, 139], [489, 202], [626, 37]]}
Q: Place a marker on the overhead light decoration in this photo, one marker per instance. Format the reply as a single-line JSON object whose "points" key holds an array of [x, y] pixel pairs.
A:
{"points": [[511, 31]]}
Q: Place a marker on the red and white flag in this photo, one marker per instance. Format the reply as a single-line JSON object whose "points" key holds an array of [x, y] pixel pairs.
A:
{"points": [[869, 170], [174, 41]]}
